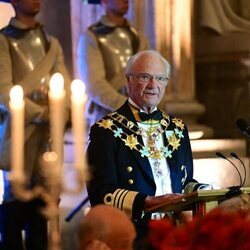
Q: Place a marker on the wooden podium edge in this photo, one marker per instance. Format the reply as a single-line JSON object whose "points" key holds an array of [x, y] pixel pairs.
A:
{"points": [[176, 205], [187, 201]]}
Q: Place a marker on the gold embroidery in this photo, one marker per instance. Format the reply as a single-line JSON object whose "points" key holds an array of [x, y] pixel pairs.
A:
{"points": [[107, 124], [122, 199], [108, 199], [131, 141], [173, 141], [178, 123]]}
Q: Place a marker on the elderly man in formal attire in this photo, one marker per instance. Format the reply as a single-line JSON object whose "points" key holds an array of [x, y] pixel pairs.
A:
{"points": [[139, 156]]}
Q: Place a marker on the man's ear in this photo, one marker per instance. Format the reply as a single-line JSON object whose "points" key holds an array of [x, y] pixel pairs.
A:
{"points": [[127, 82]]}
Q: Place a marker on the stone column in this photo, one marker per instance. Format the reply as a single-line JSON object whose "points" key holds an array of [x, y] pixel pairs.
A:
{"points": [[174, 39], [56, 18], [82, 16]]}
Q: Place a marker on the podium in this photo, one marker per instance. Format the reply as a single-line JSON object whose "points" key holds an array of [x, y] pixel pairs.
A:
{"points": [[196, 201]]}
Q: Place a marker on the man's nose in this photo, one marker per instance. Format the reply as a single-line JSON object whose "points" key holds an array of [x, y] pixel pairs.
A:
{"points": [[152, 83]]}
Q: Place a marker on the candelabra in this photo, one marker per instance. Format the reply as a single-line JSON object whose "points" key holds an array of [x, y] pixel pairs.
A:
{"points": [[51, 162]]}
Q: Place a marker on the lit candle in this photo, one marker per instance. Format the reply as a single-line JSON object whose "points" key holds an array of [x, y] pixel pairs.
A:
{"points": [[78, 100], [57, 113], [17, 132]]}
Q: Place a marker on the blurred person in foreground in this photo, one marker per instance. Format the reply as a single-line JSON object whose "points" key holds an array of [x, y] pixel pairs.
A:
{"points": [[106, 228], [28, 57], [103, 52], [139, 156]]}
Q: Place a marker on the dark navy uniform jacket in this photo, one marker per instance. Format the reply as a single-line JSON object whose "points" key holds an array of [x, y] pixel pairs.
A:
{"points": [[120, 175]]}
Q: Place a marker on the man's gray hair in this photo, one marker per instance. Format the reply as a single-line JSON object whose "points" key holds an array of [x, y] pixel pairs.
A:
{"points": [[132, 60]]}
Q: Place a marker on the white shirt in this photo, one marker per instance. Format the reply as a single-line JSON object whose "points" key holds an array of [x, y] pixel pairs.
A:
{"points": [[163, 181]]}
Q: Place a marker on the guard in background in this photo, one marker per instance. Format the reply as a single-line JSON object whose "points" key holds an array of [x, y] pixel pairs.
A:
{"points": [[28, 57], [103, 52]]}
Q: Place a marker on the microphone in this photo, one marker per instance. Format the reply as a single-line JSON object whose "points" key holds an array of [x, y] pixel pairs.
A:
{"points": [[224, 157], [234, 155], [243, 126], [235, 190]]}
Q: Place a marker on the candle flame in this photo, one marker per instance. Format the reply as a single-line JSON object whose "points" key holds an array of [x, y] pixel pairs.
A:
{"points": [[78, 90], [57, 84], [16, 95]]}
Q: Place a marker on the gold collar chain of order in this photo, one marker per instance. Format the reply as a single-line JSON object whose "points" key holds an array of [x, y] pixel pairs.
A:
{"points": [[152, 134], [117, 122]]}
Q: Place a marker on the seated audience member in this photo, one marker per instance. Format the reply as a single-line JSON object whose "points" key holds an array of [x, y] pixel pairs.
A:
{"points": [[106, 228], [139, 156]]}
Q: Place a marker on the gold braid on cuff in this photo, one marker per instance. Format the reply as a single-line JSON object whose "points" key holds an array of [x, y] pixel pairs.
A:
{"points": [[122, 199]]}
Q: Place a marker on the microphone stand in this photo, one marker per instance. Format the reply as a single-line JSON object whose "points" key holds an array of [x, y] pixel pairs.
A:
{"points": [[225, 158], [234, 190], [234, 155]]}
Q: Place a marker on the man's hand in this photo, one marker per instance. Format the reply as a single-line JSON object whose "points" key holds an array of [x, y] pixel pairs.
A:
{"points": [[154, 201]]}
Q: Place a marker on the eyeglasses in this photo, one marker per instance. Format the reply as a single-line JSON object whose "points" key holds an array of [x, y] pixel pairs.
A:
{"points": [[146, 78]]}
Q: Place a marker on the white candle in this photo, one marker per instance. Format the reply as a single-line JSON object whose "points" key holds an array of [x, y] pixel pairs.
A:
{"points": [[57, 115], [78, 100], [17, 132]]}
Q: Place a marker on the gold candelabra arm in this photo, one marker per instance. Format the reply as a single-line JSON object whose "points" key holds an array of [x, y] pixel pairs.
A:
{"points": [[49, 193]]}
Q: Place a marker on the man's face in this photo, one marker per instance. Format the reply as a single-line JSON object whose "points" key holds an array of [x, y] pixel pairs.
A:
{"points": [[119, 7], [147, 95], [27, 7]]}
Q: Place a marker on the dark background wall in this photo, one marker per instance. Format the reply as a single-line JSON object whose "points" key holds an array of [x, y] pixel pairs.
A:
{"points": [[55, 15], [222, 70]]}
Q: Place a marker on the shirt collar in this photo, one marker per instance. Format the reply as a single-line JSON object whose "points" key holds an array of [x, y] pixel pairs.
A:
{"points": [[137, 107]]}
